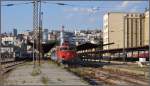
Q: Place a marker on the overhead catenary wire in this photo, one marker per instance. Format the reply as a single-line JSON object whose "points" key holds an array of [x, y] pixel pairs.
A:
{"points": [[101, 10], [13, 4], [65, 4]]}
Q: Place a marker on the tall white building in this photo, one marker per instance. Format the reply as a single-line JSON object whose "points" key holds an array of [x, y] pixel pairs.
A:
{"points": [[118, 26], [113, 29], [146, 35]]}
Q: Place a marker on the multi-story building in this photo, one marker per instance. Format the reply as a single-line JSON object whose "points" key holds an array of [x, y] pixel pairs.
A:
{"points": [[9, 49], [53, 35], [70, 36], [92, 36], [80, 38], [14, 32], [112, 29], [119, 26], [134, 30], [8, 43], [95, 37], [146, 31], [8, 40]]}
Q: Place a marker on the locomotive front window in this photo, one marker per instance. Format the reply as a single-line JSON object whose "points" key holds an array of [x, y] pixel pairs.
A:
{"points": [[71, 48], [64, 48]]}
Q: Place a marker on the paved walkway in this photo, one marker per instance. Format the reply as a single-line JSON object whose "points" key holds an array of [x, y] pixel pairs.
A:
{"points": [[51, 74]]}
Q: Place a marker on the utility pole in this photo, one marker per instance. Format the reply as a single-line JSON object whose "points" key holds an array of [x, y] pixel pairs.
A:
{"points": [[149, 46], [33, 33], [35, 27], [1, 70], [40, 30], [33, 50], [124, 53], [0, 48]]}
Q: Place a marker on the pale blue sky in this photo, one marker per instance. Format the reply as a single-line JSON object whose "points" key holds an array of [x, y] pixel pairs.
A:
{"points": [[80, 16]]}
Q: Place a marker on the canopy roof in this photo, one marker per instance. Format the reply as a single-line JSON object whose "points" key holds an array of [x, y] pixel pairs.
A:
{"points": [[86, 46], [45, 47], [90, 46]]}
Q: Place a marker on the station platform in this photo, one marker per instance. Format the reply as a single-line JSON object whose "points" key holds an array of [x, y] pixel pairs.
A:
{"points": [[50, 74]]}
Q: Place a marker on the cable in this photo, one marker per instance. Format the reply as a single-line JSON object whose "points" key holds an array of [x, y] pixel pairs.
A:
{"points": [[64, 4], [94, 8], [11, 4]]}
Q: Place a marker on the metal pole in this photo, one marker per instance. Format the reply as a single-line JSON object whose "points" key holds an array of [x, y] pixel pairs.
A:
{"points": [[39, 31], [1, 70], [35, 24], [34, 27], [149, 44], [149, 41], [33, 54], [124, 56]]}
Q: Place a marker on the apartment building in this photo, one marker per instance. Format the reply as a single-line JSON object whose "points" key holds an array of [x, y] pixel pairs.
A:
{"points": [[118, 26], [113, 30], [92, 36], [9, 40], [146, 31]]}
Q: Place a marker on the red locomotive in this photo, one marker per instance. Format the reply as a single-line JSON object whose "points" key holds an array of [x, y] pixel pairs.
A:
{"points": [[64, 53]]}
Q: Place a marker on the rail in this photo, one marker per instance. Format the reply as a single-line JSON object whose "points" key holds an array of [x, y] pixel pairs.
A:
{"points": [[9, 65], [99, 76]]}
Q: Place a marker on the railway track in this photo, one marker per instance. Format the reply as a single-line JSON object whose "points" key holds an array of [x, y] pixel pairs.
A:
{"points": [[107, 77], [117, 78], [7, 66], [99, 76]]}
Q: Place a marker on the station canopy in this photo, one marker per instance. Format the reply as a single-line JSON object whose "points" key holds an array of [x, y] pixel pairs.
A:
{"points": [[86, 46], [45, 47]]}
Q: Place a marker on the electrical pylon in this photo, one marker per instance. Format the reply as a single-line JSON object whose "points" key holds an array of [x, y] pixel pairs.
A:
{"points": [[37, 28]]}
